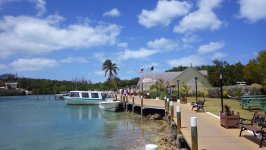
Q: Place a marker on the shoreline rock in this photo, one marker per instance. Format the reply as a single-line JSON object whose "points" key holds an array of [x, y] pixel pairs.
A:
{"points": [[169, 139]]}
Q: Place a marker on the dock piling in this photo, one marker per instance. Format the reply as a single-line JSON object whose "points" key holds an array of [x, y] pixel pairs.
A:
{"points": [[141, 106], [151, 147], [165, 106], [133, 103], [126, 102], [172, 110], [178, 118], [42, 95], [194, 133]]}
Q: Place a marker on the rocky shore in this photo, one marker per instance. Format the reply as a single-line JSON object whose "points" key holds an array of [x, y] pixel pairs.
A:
{"points": [[169, 139]]}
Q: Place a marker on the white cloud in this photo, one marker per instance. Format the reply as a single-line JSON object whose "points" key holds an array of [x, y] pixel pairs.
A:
{"points": [[187, 61], [253, 10], [33, 64], [188, 39], [122, 45], [218, 55], [163, 44], [41, 7], [203, 18], [211, 47], [24, 34], [2, 66], [164, 13], [112, 13], [136, 54], [74, 59]]}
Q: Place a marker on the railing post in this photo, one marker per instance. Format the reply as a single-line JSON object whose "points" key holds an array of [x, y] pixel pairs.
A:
{"points": [[141, 106], [178, 118], [126, 102], [167, 105], [172, 110], [42, 95], [151, 147], [133, 103], [194, 133]]}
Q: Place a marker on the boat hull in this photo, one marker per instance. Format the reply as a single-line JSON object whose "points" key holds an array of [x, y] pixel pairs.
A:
{"points": [[80, 101], [109, 106]]}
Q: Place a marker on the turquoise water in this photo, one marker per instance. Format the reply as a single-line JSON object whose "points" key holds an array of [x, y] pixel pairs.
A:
{"points": [[30, 124]]}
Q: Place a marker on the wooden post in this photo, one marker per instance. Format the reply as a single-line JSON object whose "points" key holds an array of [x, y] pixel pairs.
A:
{"points": [[141, 106], [178, 118], [194, 133], [43, 95], [172, 110], [133, 103], [165, 106], [151, 147], [49, 95], [126, 102]]}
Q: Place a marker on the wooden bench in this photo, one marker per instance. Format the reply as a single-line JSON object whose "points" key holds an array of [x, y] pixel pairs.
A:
{"points": [[256, 125], [199, 105]]}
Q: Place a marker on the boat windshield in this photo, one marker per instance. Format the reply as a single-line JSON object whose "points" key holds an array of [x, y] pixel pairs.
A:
{"points": [[74, 94], [106, 95]]}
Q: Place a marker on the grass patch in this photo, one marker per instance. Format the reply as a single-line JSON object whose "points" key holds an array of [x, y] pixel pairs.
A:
{"points": [[213, 105]]}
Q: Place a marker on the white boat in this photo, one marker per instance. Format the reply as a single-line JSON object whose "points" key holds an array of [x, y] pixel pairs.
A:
{"points": [[84, 97], [109, 104]]}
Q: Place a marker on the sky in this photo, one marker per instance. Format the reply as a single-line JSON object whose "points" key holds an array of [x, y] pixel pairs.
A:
{"points": [[66, 40]]}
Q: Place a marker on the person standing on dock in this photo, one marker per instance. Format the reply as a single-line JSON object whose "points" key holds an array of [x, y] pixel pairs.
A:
{"points": [[131, 91]]}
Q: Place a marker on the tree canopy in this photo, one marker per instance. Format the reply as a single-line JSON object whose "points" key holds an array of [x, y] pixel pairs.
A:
{"points": [[110, 68]]}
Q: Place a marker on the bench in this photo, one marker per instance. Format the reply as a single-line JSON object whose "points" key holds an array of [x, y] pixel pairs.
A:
{"points": [[199, 105], [256, 125]]}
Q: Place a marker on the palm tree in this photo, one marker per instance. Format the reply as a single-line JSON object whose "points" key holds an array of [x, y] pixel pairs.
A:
{"points": [[110, 68]]}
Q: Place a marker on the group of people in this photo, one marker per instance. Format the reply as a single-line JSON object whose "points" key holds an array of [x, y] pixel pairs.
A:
{"points": [[128, 91]]}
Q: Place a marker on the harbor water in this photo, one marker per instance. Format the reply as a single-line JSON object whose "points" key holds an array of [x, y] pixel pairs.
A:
{"points": [[29, 124]]}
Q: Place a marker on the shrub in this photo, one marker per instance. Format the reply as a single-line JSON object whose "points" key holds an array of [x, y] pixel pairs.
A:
{"points": [[235, 91]]}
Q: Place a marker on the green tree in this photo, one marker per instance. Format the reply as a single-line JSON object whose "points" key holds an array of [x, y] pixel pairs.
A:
{"points": [[159, 86], [110, 68], [255, 70]]}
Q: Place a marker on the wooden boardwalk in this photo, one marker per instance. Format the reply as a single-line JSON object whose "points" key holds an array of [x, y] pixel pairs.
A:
{"points": [[211, 136]]}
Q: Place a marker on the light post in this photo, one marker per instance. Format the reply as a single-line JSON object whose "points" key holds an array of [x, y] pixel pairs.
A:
{"points": [[177, 89], [196, 83], [168, 91], [221, 84]]}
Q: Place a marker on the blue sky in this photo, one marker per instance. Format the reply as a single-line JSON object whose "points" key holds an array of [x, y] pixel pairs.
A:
{"points": [[65, 40]]}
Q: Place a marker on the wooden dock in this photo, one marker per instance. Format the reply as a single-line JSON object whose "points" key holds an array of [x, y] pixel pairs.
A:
{"points": [[211, 135]]}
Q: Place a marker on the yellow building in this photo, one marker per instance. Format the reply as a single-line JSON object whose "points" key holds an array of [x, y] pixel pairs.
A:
{"points": [[187, 77]]}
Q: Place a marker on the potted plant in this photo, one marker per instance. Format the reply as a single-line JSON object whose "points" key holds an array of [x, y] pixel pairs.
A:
{"points": [[228, 118]]}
